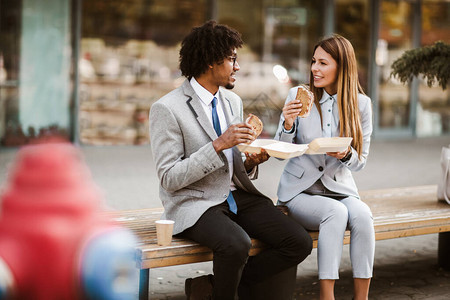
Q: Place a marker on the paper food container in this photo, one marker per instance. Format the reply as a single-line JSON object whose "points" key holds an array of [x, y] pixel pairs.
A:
{"points": [[324, 145], [285, 150], [255, 146]]}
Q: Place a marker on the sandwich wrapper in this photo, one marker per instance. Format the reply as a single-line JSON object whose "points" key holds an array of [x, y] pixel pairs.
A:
{"points": [[285, 150]]}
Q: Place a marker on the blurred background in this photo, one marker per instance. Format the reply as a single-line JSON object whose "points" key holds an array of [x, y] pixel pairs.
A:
{"points": [[90, 70]]}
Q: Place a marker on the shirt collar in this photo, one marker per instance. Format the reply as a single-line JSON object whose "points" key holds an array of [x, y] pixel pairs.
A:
{"points": [[326, 96], [205, 96]]}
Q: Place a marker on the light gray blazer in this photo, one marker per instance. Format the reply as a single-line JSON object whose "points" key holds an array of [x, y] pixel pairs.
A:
{"points": [[193, 177], [303, 171]]}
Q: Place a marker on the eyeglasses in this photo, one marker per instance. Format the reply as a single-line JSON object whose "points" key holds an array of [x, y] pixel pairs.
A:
{"points": [[233, 59]]}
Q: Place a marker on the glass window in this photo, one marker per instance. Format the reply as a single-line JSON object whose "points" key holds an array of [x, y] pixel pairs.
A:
{"points": [[35, 63], [129, 58], [352, 22], [11, 133], [279, 37], [394, 38], [433, 116]]}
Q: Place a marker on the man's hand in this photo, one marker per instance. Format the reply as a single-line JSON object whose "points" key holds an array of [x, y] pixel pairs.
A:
{"points": [[235, 134], [252, 160]]}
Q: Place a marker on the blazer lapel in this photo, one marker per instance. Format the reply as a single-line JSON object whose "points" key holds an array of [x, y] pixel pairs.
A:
{"points": [[315, 129], [196, 107], [316, 124], [231, 116]]}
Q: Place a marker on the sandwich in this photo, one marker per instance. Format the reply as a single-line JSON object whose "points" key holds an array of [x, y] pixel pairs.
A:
{"points": [[306, 97], [256, 123]]}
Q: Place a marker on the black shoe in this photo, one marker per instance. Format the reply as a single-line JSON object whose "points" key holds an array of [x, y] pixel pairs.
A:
{"points": [[199, 288]]}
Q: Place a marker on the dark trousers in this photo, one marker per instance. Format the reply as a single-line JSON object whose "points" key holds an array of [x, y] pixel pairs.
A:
{"points": [[228, 235]]}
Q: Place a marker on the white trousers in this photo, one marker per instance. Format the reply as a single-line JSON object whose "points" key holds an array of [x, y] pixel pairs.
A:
{"points": [[332, 217]]}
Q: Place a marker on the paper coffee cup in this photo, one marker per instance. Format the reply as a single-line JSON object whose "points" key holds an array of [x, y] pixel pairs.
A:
{"points": [[164, 230]]}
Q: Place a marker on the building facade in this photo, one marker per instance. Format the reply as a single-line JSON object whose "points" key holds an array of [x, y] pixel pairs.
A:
{"points": [[90, 70]]}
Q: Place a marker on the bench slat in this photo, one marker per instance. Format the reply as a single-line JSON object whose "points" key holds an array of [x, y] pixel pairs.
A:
{"points": [[397, 212]]}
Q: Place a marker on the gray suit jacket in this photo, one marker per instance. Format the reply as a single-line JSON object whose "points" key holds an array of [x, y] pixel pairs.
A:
{"points": [[303, 171], [193, 177]]}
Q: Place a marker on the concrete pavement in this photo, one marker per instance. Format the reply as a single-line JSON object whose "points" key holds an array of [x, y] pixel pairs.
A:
{"points": [[404, 268]]}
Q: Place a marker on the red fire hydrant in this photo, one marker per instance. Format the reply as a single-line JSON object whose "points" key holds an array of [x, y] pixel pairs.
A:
{"points": [[55, 243]]}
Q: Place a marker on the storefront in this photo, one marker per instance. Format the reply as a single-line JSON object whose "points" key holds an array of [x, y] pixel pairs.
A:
{"points": [[127, 57]]}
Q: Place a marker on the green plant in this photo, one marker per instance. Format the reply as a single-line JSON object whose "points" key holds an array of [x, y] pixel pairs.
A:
{"points": [[433, 62]]}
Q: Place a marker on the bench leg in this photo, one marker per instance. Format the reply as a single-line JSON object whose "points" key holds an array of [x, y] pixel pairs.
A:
{"points": [[444, 250], [144, 279]]}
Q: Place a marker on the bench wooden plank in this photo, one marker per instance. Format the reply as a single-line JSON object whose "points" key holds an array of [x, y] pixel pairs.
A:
{"points": [[397, 212]]}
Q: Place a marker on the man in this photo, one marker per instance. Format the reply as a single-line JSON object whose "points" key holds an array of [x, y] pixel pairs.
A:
{"points": [[204, 180]]}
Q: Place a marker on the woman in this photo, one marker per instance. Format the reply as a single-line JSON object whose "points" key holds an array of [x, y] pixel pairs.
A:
{"points": [[319, 190]]}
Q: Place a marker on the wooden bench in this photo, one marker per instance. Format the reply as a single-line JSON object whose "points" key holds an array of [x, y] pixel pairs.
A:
{"points": [[397, 212]]}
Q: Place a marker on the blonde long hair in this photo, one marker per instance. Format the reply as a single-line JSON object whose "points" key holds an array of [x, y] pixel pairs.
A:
{"points": [[348, 88]]}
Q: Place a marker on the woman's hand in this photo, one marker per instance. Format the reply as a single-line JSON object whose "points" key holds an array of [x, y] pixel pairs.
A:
{"points": [[290, 113], [339, 155]]}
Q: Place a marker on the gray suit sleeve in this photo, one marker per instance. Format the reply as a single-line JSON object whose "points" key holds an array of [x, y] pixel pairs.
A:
{"points": [[175, 170]]}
